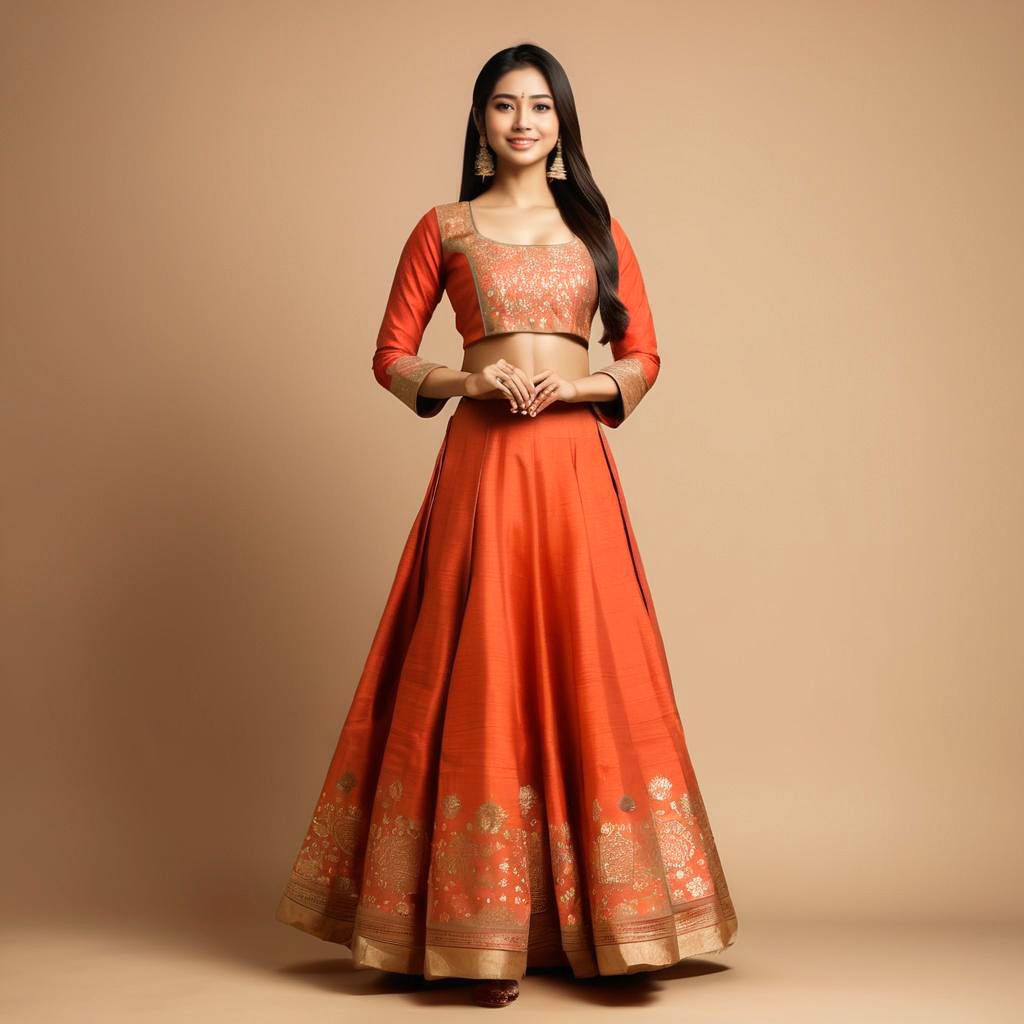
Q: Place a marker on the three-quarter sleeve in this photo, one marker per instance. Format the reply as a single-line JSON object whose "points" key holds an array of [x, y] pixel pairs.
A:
{"points": [[636, 360], [415, 292]]}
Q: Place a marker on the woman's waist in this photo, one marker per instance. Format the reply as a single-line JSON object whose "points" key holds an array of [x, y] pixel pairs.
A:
{"points": [[531, 352]]}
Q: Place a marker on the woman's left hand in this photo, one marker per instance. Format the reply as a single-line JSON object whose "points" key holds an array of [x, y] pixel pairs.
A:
{"points": [[550, 387]]}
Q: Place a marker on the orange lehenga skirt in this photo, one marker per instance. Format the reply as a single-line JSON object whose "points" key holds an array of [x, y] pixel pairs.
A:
{"points": [[511, 787]]}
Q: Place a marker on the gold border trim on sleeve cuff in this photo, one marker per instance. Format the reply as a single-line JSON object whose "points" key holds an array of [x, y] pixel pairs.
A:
{"points": [[407, 373], [628, 374]]}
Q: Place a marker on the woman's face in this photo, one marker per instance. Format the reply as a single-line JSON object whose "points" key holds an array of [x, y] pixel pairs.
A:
{"points": [[521, 106]]}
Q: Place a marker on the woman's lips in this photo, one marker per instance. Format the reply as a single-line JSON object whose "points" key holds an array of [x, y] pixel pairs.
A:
{"points": [[521, 143]]}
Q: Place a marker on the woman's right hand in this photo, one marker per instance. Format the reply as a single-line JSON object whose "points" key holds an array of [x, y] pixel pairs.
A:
{"points": [[502, 376]]}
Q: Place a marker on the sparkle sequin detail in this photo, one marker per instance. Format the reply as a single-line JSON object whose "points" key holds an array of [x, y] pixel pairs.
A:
{"points": [[527, 799], [545, 289], [659, 787]]}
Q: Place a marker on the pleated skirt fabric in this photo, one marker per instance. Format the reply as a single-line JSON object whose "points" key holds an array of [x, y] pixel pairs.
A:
{"points": [[511, 786]]}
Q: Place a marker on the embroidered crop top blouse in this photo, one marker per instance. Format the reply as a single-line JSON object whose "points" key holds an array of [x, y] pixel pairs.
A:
{"points": [[497, 288]]}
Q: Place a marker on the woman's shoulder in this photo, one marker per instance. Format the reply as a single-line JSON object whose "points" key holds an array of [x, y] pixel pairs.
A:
{"points": [[447, 221], [429, 222], [438, 213], [446, 209]]}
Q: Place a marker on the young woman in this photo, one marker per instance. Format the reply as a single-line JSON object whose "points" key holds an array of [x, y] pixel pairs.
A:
{"points": [[511, 786]]}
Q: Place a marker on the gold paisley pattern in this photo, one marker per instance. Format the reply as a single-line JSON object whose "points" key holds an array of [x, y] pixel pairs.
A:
{"points": [[614, 853], [527, 799], [676, 842], [395, 854], [455, 855], [450, 805], [475, 883], [346, 828], [489, 816]]}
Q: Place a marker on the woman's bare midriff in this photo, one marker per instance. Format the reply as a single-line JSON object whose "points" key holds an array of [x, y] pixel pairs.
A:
{"points": [[532, 353]]}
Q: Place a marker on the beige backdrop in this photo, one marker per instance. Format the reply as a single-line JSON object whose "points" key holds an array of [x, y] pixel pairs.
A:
{"points": [[205, 492]]}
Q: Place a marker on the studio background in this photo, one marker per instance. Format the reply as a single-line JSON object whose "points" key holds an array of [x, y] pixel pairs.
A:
{"points": [[205, 492]]}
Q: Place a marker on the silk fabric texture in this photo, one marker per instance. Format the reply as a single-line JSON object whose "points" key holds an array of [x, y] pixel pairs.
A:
{"points": [[511, 786], [499, 287]]}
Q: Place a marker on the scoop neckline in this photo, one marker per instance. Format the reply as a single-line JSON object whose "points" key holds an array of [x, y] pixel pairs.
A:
{"points": [[514, 245]]}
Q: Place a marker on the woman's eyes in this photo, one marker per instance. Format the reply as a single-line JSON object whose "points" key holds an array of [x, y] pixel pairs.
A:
{"points": [[539, 106]]}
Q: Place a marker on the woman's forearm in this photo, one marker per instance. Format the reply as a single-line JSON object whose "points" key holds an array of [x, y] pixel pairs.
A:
{"points": [[444, 382], [598, 387]]}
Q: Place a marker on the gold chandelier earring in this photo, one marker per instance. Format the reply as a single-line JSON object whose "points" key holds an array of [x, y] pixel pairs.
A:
{"points": [[557, 169], [484, 162]]}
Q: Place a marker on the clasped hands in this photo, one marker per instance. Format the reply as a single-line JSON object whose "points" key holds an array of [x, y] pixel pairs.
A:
{"points": [[527, 395]]}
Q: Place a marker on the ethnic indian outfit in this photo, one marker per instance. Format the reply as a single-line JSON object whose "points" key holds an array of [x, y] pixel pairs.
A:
{"points": [[511, 786]]}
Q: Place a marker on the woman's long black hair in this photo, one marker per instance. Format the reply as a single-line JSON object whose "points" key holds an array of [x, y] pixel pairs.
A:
{"points": [[579, 200]]}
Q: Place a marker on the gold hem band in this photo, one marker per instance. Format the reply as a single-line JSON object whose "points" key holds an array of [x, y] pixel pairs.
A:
{"points": [[434, 961]]}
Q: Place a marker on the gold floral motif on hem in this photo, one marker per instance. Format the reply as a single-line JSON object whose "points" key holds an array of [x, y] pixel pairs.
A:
{"points": [[476, 881]]}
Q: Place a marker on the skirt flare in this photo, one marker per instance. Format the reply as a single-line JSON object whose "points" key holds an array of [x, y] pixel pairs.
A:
{"points": [[511, 786]]}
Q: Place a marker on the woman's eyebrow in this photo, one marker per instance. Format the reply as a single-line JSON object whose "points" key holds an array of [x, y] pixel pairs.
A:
{"points": [[509, 96]]}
